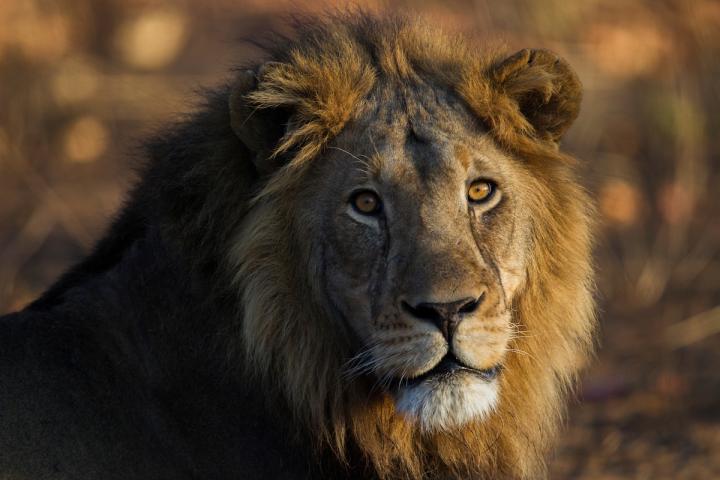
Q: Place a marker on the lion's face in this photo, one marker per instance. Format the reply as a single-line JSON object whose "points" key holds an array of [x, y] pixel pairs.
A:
{"points": [[420, 224]]}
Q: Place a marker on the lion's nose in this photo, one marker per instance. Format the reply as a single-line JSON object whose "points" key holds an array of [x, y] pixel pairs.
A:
{"points": [[446, 316]]}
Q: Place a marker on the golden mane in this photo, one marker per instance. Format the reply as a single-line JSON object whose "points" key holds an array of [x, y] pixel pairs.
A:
{"points": [[324, 78]]}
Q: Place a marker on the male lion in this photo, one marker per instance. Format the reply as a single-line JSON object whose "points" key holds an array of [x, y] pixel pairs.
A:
{"points": [[365, 258]]}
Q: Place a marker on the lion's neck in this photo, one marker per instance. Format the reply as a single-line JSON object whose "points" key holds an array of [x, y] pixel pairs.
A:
{"points": [[154, 320]]}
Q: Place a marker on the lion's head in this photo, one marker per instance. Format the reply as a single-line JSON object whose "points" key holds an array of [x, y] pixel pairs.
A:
{"points": [[414, 268]]}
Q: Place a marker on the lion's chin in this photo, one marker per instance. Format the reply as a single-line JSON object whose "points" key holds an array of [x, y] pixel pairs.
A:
{"points": [[446, 402]]}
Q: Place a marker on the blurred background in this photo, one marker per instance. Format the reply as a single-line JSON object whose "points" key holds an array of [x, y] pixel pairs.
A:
{"points": [[82, 82]]}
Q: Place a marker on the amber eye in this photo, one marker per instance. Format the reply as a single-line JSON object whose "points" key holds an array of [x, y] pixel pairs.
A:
{"points": [[481, 191], [366, 202]]}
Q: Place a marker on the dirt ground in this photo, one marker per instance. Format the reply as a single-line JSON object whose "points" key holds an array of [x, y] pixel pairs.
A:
{"points": [[82, 82], [647, 409]]}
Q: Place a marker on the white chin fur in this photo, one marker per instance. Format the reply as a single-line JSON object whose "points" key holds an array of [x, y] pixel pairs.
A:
{"points": [[445, 403]]}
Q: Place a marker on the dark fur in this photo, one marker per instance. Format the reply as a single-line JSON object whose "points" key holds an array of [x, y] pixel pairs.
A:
{"points": [[114, 371]]}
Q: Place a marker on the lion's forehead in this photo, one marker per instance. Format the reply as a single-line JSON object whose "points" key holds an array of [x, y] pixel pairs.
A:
{"points": [[431, 109], [422, 135]]}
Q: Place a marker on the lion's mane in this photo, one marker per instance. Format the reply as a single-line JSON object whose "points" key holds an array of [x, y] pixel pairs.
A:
{"points": [[323, 77]]}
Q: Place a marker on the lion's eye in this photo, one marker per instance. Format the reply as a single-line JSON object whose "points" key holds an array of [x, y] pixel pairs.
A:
{"points": [[480, 191], [366, 202]]}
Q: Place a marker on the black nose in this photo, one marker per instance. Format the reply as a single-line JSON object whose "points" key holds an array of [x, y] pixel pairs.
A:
{"points": [[447, 316]]}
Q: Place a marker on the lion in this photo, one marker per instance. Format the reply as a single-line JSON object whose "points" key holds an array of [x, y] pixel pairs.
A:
{"points": [[364, 257]]}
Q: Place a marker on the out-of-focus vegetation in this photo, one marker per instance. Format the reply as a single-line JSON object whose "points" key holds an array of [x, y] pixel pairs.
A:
{"points": [[82, 81]]}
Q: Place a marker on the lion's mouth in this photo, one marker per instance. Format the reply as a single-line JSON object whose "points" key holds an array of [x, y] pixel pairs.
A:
{"points": [[450, 366]]}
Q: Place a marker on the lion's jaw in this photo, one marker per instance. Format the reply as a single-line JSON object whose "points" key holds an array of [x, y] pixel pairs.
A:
{"points": [[447, 402], [442, 385]]}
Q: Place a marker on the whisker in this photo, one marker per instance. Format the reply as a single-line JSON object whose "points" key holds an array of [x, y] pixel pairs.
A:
{"points": [[357, 157], [522, 352]]}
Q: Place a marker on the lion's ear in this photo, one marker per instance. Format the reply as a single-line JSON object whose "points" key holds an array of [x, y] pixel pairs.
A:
{"points": [[546, 89], [259, 129]]}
